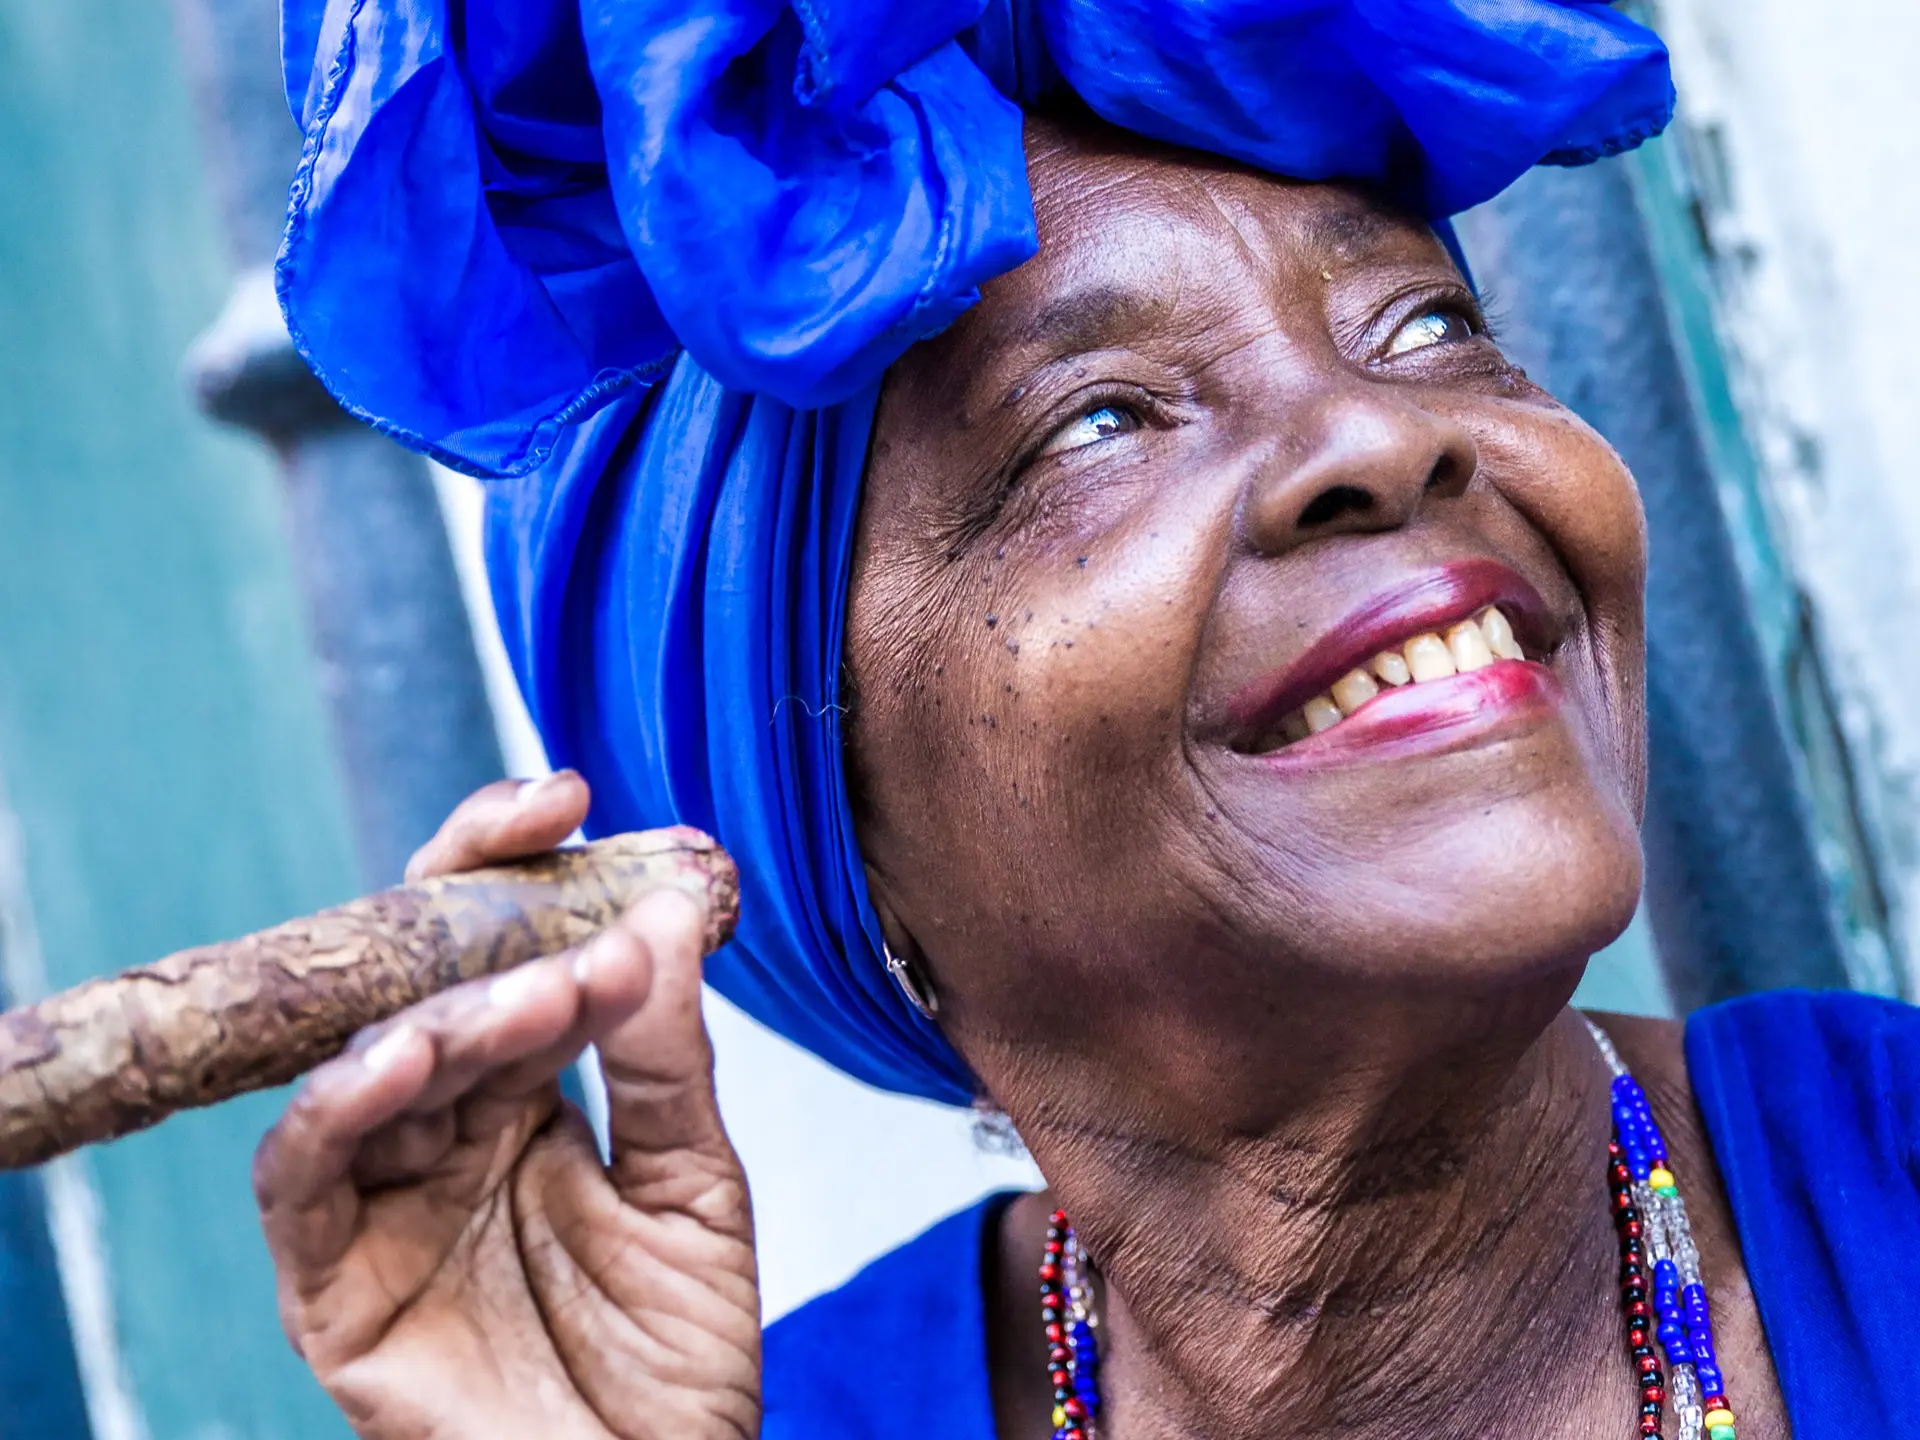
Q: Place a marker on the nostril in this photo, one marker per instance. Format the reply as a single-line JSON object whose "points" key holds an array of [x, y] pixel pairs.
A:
{"points": [[1446, 473], [1330, 504]]}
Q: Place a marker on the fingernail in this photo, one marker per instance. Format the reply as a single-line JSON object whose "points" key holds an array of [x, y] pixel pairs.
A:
{"points": [[383, 1052], [510, 989], [531, 791]]}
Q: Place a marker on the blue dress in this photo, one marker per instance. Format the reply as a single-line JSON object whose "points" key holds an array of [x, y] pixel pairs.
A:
{"points": [[1812, 1102]]}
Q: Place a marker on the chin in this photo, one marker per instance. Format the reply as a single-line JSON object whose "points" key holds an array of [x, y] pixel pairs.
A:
{"points": [[1487, 865]]}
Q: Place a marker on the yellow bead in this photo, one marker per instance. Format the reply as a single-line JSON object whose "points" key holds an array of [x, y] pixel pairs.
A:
{"points": [[1719, 1417], [1660, 1176], [1059, 1416]]}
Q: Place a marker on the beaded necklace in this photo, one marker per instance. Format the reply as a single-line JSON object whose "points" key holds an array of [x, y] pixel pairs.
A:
{"points": [[1648, 1214]]}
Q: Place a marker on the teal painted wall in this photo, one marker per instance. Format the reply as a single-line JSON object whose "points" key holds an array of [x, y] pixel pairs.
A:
{"points": [[161, 737]]}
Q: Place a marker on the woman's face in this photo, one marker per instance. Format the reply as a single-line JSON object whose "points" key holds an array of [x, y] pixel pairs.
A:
{"points": [[1135, 529]]}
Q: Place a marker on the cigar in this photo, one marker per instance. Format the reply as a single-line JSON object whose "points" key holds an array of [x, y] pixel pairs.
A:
{"points": [[113, 1056]]}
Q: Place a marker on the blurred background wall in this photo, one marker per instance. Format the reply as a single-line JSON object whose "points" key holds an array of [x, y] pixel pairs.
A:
{"points": [[245, 658]]}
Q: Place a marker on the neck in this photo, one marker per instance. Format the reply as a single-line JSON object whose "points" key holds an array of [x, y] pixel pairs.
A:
{"points": [[1422, 1247]]}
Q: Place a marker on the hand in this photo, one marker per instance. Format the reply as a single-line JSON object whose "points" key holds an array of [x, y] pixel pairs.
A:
{"points": [[454, 1260]]}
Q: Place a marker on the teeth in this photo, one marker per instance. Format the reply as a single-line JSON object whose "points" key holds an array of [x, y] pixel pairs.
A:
{"points": [[1429, 659], [1353, 690], [1468, 646], [1499, 634], [1322, 714], [1390, 666]]}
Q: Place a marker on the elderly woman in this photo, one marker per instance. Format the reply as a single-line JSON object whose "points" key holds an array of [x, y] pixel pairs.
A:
{"points": [[1037, 483]]}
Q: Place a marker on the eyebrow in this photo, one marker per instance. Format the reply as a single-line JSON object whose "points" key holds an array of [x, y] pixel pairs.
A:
{"points": [[1086, 318]]}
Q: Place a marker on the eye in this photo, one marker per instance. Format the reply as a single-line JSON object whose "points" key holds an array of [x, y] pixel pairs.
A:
{"points": [[1434, 327], [1091, 428]]}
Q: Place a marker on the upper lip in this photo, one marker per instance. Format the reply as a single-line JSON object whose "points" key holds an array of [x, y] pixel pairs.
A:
{"points": [[1428, 601]]}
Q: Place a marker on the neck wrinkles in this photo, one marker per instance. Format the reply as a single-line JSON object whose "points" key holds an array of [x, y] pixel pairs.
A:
{"points": [[1428, 1253]]}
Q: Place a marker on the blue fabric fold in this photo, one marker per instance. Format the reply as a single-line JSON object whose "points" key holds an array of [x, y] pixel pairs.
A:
{"points": [[507, 213], [670, 589], [1813, 1104], [647, 261]]}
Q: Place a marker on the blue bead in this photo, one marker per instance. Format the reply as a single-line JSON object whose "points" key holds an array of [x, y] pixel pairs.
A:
{"points": [[1710, 1381]]}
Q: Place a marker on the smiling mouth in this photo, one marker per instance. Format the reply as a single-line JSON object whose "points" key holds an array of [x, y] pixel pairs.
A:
{"points": [[1486, 639]]}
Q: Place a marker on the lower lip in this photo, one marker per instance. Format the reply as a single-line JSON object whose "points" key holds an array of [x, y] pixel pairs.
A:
{"points": [[1435, 715]]}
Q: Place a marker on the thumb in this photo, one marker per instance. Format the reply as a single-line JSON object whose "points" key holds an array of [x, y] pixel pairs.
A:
{"points": [[662, 1115]]}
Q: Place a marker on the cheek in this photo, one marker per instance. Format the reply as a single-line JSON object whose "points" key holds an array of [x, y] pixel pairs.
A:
{"points": [[1021, 716], [1579, 500], [1578, 494]]}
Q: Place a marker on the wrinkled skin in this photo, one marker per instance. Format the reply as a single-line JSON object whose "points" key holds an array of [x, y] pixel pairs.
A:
{"points": [[1288, 1035]]}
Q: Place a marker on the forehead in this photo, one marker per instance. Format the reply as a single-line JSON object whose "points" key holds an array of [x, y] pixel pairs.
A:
{"points": [[1134, 234], [1086, 175]]}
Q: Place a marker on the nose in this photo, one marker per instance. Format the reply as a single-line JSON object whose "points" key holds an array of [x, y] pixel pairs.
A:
{"points": [[1362, 459]]}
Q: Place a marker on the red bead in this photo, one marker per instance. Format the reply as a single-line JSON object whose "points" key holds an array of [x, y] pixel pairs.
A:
{"points": [[1060, 1379], [1055, 1334], [1715, 1402], [1649, 1365], [1653, 1394], [1076, 1433], [1623, 1199], [1637, 1336], [1059, 1219], [1049, 1274], [1056, 1247], [1613, 1149], [1631, 1229], [1076, 1409], [1059, 1355], [1638, 1309], [1649, 1424]]}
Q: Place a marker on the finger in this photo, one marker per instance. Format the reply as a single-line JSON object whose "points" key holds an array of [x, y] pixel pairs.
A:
{"points": [[614, 975], [492, 1024], [405, 1148], [658, 1062], [352, 1124], [302, 1170], [504, 821]]}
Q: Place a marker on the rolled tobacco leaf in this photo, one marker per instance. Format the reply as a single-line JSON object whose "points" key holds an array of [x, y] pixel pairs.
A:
{"points": [[204, 1025]]}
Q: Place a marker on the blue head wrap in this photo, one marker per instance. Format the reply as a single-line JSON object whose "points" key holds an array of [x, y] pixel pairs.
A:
{"points": [[646, 261]]}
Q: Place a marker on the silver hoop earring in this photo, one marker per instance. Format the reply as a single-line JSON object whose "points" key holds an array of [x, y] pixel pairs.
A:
{"points": [[918, 993]]}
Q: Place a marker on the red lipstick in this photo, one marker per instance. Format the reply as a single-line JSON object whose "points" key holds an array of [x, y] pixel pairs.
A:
{"points": [[1429, 602]]}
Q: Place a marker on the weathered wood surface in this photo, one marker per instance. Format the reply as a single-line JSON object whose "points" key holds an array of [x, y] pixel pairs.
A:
{"points": [[204, 1025]]}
